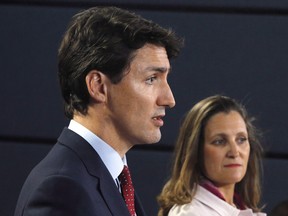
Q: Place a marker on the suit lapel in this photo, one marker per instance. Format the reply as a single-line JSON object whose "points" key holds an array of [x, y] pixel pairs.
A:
{"points": [[96, 169], [139, 209], [113, 198]]}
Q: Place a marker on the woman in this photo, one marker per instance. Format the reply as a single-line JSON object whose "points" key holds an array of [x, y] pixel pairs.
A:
{"points": [[217, 163]]}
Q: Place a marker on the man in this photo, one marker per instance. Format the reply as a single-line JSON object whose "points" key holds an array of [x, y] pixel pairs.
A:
{"points": [[113, 68]]}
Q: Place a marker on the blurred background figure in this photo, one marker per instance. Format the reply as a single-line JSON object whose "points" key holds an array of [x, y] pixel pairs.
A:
{"points": [[281, 209]]}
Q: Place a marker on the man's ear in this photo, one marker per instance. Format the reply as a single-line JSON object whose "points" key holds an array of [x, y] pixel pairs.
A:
{"points": [[95, 82]]}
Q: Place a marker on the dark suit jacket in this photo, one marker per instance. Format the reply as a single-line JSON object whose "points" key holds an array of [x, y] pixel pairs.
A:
{"points": [[72, 180]]}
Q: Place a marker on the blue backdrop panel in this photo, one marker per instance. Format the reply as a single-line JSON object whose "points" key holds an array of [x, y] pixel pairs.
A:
{"points": [[17, 160], [233, 48], [243, 56]]}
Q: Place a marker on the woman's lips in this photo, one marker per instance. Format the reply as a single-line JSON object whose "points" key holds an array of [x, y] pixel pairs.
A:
{"points": [[232, 165]]}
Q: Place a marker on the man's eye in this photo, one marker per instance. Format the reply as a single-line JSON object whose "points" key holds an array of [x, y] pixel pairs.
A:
{"points": [[150, 80]]}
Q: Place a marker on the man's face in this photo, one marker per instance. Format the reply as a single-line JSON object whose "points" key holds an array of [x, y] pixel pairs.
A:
{"points": [[137, 103]]}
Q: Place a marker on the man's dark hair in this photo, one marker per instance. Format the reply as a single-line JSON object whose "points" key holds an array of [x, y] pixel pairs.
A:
{"points": [[104, 39]]}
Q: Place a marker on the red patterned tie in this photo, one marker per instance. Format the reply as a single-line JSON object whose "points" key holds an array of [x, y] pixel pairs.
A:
{"points": [[127, 189]]}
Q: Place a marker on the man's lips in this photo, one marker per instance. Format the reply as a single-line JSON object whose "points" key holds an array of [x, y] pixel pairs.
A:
{"points": [[158, 121]]}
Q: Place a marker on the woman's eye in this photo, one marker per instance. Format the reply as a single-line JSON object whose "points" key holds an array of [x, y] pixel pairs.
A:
{"points": [[150, 80], [241, 140], [218, 142]]}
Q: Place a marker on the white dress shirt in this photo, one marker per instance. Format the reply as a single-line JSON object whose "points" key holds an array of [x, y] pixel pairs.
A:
{"points": [[108, 155]]}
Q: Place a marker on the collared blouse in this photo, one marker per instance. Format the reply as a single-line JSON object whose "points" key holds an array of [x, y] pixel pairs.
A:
{"points": [[205, 203]]}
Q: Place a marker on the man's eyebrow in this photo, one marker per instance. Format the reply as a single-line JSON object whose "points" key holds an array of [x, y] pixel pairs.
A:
{"points": [[159, 69]]}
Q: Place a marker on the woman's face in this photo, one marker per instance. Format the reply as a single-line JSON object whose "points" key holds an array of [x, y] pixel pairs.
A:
{"points": [[226, 148]]}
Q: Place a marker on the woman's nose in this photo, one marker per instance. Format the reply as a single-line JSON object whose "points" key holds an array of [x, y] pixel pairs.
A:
{"points": [[233, 150]]}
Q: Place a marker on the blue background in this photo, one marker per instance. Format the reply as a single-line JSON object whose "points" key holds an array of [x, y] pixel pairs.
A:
{"points": [[234, 48]]}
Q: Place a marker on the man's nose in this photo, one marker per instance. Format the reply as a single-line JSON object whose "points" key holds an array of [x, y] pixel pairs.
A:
{"points": [[167, 98]]}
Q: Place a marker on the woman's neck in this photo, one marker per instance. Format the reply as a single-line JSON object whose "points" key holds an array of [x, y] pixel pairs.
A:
{"points": [[228, 192]]}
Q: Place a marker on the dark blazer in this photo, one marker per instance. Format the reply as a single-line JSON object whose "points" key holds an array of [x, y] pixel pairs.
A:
{"points": [[72, 180]]}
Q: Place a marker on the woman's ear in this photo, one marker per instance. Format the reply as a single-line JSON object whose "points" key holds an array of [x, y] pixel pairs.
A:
{"points": [[95, 82]]}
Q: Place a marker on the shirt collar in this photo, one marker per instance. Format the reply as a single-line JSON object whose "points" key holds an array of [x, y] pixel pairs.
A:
{"points": [[108, 155], [208, 185], [213, 201]]}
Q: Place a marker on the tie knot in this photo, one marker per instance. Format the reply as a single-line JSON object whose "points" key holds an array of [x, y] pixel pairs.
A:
{"points": [[125, 177]]}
